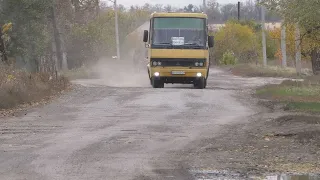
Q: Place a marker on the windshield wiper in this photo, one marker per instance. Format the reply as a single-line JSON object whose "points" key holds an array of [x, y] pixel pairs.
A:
{"points": [[193, 43], [169, 45], [164, 43]]}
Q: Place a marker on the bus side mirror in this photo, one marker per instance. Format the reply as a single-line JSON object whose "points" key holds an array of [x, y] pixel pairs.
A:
{"points": [[145, 36], [210, 41]]}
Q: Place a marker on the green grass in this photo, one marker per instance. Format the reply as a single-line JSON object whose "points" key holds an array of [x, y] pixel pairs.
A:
{"points": [[304, 106], [305, 98], [290, 91]]}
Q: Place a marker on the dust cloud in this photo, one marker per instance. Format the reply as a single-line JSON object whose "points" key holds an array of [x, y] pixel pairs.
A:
{"points": [[121, 73], [129, 71]]}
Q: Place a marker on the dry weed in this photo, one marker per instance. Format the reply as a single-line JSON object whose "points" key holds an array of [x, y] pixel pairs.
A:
{"points": [[19, 87]]}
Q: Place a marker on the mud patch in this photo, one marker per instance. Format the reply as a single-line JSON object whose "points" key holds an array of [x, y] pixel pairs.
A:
{"points": [[309, 137], [218, 175], [282, 144], [298, 119], [300, 129]]}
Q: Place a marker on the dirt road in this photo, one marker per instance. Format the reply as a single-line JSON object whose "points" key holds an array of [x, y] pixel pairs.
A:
{"points": [[101, 132]]}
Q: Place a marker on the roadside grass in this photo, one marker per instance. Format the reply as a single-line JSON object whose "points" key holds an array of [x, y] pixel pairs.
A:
{"points": [[19, 87], [290, 91], [304, 106], [297, 96], [252, 70]]}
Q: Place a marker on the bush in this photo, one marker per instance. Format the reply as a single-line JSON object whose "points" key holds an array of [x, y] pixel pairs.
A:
{"points": [[272, 46], [228, 58], [240, 39], [245, 40], [19, 87], [250, 23]]}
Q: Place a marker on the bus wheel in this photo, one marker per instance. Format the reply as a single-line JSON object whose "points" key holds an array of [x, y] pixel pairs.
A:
{"points": [[200, 83], [156, 83]]}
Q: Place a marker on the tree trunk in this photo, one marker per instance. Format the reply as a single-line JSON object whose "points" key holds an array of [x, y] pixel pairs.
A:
{"points": [[64, 64], [97, 7], [315, 58], [57, 40], [3, 52], [54, 57], [298, 49], [77, 11]]}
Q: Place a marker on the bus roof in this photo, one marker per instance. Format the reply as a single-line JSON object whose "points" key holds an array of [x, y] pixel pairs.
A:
{"points": [[175, 14]]}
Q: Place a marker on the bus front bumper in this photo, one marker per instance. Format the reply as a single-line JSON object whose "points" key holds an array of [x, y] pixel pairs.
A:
{"points": [[177, 75]]}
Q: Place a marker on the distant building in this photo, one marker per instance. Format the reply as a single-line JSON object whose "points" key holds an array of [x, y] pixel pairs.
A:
{"points": [[269, 26]]}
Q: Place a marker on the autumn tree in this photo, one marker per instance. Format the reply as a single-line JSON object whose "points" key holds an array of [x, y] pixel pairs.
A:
{"points": [[4, 38], [213, 12], [29, 40], [239, 40], [250, 10], [305, 14], [168, 8], [189, 8]]}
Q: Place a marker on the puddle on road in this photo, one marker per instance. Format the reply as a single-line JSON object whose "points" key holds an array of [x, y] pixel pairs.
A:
{"points": [[218, 175]]}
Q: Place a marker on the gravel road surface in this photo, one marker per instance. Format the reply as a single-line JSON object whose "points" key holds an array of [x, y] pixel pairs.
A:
{"points": [[102, 132]]}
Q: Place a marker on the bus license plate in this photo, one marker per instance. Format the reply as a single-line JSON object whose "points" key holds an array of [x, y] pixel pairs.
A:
{"points": [[178, 72]]}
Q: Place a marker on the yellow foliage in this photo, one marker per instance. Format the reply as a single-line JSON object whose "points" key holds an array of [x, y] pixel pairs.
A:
{"points": [[307, 44], [238, 39], [6, 27], [279, 54], [290, 38], [10, 77]]}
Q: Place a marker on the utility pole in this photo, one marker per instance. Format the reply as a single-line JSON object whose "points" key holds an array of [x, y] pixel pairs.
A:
{"points": [[239, 10], [116, 27], [298, 50], [204, 4], [283, 46], [264, 46]]}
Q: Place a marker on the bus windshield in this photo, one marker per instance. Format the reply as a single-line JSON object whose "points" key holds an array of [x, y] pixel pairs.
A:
{"points": [[179, 31]]}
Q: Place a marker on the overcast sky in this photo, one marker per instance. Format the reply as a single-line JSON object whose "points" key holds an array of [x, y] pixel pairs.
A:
{"points": [[177, 3]]}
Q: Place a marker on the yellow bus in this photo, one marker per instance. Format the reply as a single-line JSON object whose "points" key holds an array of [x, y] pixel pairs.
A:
{"points": [[178, 49]]}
